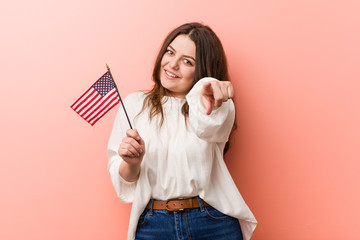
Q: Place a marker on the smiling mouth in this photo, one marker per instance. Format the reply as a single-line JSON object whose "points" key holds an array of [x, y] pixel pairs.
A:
{"points": [[170, 74]]}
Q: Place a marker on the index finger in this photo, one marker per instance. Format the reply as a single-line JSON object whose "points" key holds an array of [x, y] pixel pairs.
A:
{"points": [[207, 88]]}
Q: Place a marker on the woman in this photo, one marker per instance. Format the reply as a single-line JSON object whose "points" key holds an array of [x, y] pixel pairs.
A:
{"points": [[171, 165]]}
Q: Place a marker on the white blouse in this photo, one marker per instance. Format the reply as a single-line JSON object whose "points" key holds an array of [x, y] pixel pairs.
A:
{"points": [[182, 158]]}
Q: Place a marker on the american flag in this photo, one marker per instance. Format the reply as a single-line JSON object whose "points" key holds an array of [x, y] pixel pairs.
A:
{"points": [[98, 100]]}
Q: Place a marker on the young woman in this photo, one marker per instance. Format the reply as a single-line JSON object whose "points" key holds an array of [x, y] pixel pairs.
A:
{"points": [[171, 165]]}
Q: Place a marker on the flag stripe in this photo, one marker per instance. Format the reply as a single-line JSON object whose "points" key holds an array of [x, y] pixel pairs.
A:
{"points": [[86, 101], [104, 112], [97, 108], [94, 108], [104, 108], [86, 104], [95, 120], [89, 106], [75, 103], [83, 98]]}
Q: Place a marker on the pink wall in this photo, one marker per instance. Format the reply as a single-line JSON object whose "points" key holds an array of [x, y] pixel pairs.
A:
{"points": [[295, 68]]}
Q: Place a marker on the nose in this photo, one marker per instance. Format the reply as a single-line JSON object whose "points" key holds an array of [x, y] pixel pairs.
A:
{"points": [[174, 63]]}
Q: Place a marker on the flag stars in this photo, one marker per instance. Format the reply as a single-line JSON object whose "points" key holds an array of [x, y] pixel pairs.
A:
{"points": [[104, 84]]}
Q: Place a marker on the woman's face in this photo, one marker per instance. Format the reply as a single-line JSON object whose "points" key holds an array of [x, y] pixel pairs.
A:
{"points": [[178, 66]]}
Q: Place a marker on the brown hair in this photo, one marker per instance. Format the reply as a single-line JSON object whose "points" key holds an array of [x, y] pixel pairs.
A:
{"points": [[210, 62]]}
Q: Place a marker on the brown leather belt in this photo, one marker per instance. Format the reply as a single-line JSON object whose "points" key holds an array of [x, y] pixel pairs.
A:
{"points": [[177, 204]]}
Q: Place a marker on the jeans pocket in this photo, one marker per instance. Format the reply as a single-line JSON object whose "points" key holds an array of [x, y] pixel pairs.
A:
{"points": [[214, 214], [143, 219]]}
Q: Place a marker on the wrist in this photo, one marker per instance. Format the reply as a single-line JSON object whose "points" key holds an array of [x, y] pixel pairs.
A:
{"points": [[129, 172], [133, 167]]}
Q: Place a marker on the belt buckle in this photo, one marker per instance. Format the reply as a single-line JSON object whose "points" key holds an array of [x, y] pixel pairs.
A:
{"points": [[173, 210]]}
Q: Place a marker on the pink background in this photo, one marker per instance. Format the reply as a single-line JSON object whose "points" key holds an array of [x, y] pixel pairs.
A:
{"points": [[295, 68]]}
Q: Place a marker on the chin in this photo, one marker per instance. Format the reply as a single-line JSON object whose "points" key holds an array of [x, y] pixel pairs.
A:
{"points": [[166, 83]]}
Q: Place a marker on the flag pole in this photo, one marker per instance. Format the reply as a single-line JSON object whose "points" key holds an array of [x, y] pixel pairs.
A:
{"points": [[119, 96]]}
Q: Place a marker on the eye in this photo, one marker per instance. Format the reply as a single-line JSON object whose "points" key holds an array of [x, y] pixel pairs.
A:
{"points": [[188, 62], [168, 51]]}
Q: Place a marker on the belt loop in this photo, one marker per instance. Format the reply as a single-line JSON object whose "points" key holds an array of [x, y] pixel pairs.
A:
{"points": [[200, 204], [151, 206]]}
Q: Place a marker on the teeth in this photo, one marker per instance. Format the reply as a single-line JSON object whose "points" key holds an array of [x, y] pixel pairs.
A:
{"points": [[169, 74]]}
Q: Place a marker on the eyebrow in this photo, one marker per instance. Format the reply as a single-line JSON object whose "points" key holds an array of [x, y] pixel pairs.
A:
{"points": [[183, 55]]}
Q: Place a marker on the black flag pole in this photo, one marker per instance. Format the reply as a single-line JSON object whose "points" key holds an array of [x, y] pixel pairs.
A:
{"points": [[119, 96]]}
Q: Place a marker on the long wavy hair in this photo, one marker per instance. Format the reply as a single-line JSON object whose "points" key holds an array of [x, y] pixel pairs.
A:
{"points": [[210, 62]]}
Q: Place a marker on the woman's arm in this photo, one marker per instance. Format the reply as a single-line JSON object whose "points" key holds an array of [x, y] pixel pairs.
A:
{"points": [[214, 93], [211, 110], [124, 187]]}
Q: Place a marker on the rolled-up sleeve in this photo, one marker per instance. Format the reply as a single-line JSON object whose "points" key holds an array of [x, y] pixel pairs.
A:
{"points": [[215, 127], [125, 190]]}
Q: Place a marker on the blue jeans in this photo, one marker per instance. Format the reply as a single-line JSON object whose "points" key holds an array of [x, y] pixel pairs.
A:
{"points": [[196, 224]]}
